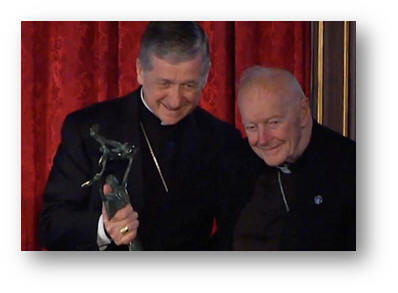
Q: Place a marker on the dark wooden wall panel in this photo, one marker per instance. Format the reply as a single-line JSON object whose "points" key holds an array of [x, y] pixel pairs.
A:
{"points": [[352, 82], [332, 75]]}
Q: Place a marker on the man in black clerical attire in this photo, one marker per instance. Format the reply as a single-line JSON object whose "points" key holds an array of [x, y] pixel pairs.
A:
{"points": [[304, 195], [181, 179]]}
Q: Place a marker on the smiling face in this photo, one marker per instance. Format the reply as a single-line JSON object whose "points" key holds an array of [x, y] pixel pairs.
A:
{"points": [[275, 121], [172, 90]]}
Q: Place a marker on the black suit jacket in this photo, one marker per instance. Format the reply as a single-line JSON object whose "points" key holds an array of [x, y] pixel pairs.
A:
{"points": [[206, 170]]}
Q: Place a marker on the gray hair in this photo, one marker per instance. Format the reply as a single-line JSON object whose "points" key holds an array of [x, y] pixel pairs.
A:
{"points": [[257, 72], [175, 41]]}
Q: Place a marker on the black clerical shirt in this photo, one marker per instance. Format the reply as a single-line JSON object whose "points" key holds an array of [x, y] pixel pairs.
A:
{"points": [[311, 207], [165, 141]]}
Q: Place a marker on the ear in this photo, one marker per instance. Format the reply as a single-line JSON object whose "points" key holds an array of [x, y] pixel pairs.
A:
{"points": [[204, 79], [305, 113], [140, 72]]}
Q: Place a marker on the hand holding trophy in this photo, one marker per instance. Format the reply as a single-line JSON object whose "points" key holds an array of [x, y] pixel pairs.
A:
{"points": [[120, 219]]}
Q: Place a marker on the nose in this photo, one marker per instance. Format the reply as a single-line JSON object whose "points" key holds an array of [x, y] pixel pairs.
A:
{"points": [[175, 98], [264, 136]]}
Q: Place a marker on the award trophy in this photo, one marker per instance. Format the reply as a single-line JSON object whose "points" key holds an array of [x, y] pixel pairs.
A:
{"points": [[112, 150]]}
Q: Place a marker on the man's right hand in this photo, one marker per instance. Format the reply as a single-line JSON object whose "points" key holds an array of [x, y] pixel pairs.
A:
{"points": [[125, 217]]}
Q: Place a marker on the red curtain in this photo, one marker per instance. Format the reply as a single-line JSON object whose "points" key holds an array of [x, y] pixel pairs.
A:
{"points": [[69, 65]]}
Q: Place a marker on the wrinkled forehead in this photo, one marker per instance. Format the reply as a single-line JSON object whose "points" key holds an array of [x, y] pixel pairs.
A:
{"points": [[198, 62], [269, 91], [261, 101]]}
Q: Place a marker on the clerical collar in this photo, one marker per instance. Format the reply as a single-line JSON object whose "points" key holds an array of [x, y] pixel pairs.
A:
{"points": [[146, 106], [284, 168]]}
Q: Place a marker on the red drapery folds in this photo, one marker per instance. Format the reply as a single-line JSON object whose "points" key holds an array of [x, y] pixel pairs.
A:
{"points": [[69, 65]]}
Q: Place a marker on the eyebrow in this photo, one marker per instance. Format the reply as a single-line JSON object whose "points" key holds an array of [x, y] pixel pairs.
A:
{"points": [[184, 82], [264, 120], [164, 80]]}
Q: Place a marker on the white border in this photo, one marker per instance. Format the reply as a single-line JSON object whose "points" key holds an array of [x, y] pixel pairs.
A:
{"points": [[373, 266]]}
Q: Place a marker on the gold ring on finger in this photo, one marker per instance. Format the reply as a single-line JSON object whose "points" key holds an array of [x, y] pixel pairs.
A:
{"points": [[124, 230]]}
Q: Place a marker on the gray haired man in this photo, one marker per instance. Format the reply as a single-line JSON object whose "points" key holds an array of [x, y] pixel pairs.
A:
{"points": [[182, 177]]}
